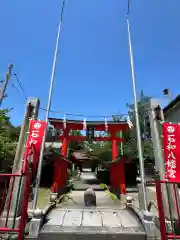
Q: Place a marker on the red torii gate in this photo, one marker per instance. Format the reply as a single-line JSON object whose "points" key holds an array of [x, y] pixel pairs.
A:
{"points": [[117, 171]]}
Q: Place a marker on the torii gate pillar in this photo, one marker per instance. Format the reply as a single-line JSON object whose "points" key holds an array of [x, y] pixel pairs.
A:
{"points": [[61, 169], [117, 175]]}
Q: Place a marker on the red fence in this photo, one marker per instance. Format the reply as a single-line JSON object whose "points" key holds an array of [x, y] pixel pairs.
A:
{"points": [[11, 185], [173, 231]]}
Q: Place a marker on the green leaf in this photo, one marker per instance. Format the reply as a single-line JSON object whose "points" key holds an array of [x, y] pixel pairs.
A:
{"points": [[8, 141]]}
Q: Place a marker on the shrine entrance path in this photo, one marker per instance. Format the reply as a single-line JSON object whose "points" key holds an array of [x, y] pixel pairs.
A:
{"points": [[87, 180]]}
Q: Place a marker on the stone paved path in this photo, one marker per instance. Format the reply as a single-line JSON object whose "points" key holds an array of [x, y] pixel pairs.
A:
{"points": [[86, 180]]}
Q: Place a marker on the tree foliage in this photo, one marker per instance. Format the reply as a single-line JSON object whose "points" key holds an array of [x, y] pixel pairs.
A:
{"points": [[130, 146], [8, 140]]}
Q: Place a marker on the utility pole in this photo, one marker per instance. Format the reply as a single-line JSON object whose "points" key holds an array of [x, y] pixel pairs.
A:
{"points": [[5, 83]]}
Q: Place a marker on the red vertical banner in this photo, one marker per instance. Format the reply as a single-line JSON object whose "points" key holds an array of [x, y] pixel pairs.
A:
{"points": [[171, 142], [35, 137]]}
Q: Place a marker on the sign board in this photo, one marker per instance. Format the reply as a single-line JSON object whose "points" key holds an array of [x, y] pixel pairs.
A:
{"points": [[90, 133], [35, 137], [171, 143]]}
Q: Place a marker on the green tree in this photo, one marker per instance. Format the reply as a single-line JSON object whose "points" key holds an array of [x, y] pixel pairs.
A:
{"points": [[130, 145], [8, 141]]}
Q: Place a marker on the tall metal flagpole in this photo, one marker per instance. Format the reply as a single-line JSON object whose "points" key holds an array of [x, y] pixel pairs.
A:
{"points": [[47, 110], [139, 142]]}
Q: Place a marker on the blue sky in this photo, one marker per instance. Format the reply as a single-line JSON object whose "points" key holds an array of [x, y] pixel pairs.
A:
{"points": [[93, 71]]}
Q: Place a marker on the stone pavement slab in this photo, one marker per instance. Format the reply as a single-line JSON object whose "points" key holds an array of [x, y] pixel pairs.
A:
{"points": [[108, 216], [102, 219]]}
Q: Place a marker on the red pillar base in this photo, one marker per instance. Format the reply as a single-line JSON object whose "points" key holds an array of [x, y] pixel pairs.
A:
{"points": [[117, 177], [61, 168], [122, 183], [56, 173], [60, 175]]}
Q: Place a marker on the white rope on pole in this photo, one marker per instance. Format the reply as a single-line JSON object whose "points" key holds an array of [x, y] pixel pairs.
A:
{"points": [[130, 124], [64, 121], [106, 125], [84, 125]]}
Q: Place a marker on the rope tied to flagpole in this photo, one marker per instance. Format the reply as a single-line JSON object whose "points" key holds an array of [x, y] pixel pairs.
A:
{"points": [[128, 8], [62, 9]]}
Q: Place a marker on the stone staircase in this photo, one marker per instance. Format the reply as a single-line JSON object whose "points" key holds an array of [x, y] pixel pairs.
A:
{"points": [[95, 223]]}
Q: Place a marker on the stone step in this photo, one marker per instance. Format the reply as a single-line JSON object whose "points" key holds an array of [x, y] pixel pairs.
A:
{"points": [[92, 223], [93, 236]]}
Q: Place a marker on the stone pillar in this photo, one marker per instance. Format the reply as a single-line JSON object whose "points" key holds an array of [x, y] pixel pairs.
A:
{"points": [[167, 190], [31, 111]]}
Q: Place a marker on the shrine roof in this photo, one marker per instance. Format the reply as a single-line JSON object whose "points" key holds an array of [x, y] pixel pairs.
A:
{"points": [[98, 125], [172, 104]]}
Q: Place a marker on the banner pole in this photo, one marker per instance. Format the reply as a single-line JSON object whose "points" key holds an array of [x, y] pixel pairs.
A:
{"points": [[47, 110]]}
